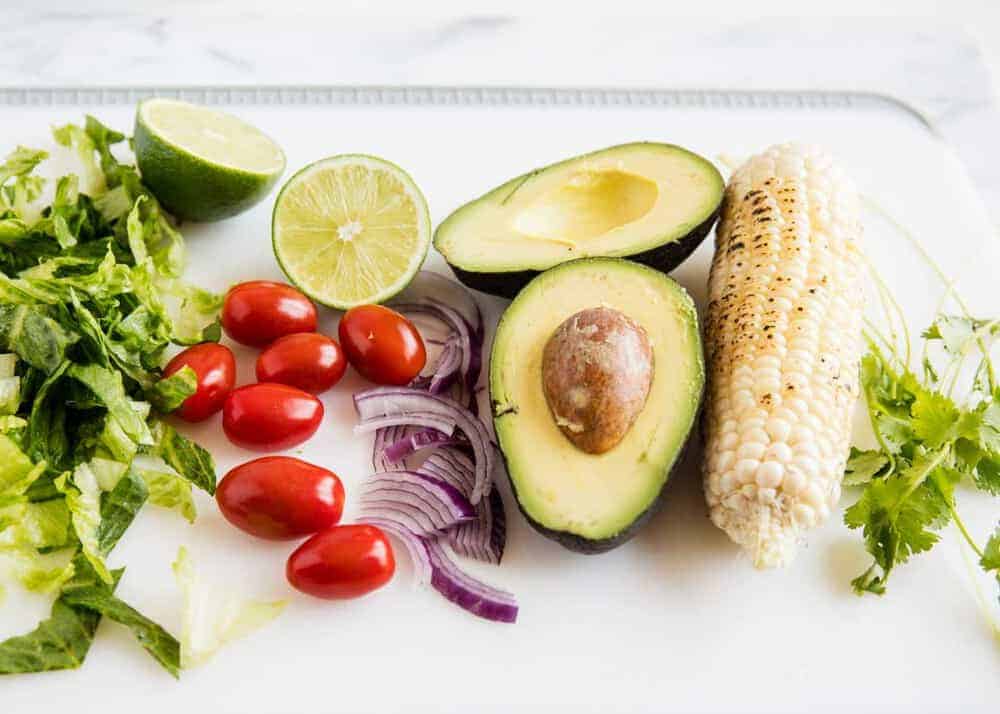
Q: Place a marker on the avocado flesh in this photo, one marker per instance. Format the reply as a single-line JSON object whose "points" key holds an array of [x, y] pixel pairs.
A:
{"points": [[587, 502], [650, 202]]}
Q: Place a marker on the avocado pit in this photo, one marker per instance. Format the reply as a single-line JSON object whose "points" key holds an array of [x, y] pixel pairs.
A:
{"points": [[597, 369]]}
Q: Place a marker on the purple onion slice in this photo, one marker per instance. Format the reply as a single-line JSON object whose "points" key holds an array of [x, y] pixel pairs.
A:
{"points": [[424, 505], [396, 451], [484, 537], [451, 466], [465, 591], [432, 565], [413, 543], [391, 406]]}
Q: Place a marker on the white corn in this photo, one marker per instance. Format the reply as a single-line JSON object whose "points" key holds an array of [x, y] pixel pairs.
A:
{"points": [[783, 337]]}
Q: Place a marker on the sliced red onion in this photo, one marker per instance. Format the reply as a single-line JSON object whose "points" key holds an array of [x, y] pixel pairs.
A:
{"points": [[383, 438], [424, 505], [484, 537], [448, 367], [389, 406], [396, 451], [465, 591], [433, 285], [450, 466], [413, 543], [432, 565], [434, 297]]}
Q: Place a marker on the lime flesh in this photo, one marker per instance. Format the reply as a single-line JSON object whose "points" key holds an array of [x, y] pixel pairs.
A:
{"points": [[351, 230], [203, 164]]}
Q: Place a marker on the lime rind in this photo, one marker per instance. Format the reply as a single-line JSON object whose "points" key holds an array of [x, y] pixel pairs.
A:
{"points": [[225, 125], [351, 229]]}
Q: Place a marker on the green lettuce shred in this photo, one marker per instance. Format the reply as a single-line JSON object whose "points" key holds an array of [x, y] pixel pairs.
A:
{"points": [[91, 301]]}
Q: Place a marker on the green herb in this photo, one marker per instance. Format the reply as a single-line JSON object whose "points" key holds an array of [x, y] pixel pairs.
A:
{"points": [[934, 430], [90, 300]]}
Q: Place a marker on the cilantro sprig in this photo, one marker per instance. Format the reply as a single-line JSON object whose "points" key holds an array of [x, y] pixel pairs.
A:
{"points": [[935, 428]]}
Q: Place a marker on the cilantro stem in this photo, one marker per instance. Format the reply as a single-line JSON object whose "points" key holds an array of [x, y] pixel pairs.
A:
{"points": [[915, 483], [962, 529], [871, 413], [950, 288], [892, 310]]}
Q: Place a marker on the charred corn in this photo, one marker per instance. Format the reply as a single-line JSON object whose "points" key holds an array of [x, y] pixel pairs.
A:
{"points": [[783, 340]]}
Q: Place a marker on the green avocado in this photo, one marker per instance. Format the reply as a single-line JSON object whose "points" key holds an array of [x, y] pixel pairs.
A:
{"points": [[649, 202], [594, 502]]}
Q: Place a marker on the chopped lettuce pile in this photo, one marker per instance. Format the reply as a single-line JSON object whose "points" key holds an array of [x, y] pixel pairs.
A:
{"points": [[90, 297]]}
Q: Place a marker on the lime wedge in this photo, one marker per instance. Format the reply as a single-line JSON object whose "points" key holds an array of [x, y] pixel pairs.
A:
{"points": [[350, 230], [200, 163]]}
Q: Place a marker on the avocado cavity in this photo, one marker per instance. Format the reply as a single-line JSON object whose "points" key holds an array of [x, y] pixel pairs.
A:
{"points": [[589, 203]]}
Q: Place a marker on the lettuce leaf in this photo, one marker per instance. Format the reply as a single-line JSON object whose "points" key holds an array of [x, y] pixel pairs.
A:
{"points": [[184, 456], [170, 491], [163, 646], [63, 640], [75, 138], [83, 498], [38, 572], [210, 619], [17, 471], [44, 524], [107, 387], [170, 392], [34, 335], [119, 508]]}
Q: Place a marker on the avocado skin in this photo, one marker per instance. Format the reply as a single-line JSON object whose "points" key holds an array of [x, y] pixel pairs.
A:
{"points": [[663, 258], [588, 546]]}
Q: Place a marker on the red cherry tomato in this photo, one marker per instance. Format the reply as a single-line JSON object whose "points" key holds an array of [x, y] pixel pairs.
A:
{"points": [[260, 311], [270, 417], [307, 360], [382, 345], [280, 498], [342, 562], [216, 370]]}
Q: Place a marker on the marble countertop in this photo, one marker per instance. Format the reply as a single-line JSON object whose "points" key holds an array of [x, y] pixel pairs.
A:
{"points": [[940, 72]]}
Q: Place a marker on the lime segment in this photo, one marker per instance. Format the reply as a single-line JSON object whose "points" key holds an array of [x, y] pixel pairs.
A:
{"points": [[351, 230], [203, 164]]}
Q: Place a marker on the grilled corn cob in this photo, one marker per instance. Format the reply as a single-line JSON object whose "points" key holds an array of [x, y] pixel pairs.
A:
{"points": [[783, 337]]}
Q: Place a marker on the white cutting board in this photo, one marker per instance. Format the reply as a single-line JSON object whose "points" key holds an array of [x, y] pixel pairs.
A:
{"points": [[675, 620]]}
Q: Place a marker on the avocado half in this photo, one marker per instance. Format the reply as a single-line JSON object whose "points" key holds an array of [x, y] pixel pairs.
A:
{"points": [[592, 503], [652, 203]]}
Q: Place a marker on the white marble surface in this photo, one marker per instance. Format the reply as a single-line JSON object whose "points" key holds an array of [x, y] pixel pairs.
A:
{"points": [[937, 69]]}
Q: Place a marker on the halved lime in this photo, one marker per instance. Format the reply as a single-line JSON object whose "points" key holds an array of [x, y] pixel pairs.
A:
{"points": [[203, 164], [350, 230]]}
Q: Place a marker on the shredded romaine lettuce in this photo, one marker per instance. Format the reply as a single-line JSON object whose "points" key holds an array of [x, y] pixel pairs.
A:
{"points": [[90, 299], [211, 618]]}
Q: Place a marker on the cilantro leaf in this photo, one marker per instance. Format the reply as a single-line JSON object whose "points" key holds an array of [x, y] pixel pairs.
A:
{"points": [[935, 418], [863, 466], [898, 515], [991, 553]]}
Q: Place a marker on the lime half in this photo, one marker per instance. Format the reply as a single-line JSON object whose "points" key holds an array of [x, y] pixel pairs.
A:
{"points": [[203, 164], [350, 230]]}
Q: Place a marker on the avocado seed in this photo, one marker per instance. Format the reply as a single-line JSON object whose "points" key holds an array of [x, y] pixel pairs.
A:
{"points": [[597, 368]]}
